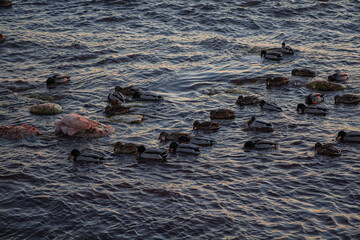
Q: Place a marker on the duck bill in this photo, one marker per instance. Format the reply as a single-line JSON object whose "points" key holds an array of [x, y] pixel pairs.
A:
{"points": [[69, 157]]}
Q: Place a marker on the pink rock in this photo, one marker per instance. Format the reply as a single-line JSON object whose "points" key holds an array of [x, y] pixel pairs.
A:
{"points": [[75, 125], [18, 132]]}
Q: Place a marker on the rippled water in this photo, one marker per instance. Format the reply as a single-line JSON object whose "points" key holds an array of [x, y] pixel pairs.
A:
{"points": [[189, 52]]}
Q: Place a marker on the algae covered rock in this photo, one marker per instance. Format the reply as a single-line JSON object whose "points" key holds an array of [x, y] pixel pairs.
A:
{"points": [[324, 86], [46, 109]]}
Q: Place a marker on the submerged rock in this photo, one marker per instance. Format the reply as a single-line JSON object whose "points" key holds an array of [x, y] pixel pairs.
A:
{"points": [[303, 72], [74, 125], [42, 96], [325, 86], [128, 118], [222, 114], [116, 109], [46, 109], [18, 132]]}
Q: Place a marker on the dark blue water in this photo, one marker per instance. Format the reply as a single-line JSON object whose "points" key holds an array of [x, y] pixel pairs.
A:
{"points": [[189, 52]]}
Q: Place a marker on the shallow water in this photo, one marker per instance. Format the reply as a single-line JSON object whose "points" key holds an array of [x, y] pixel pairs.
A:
{"points": [[188, 52]]}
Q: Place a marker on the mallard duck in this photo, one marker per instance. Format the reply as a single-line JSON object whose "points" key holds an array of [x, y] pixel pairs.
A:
{"points": [[286, 49], [303, 72], [116, 98], [259, 125], [276, 81], [184, 148], [57, 79], [271, 55], [269, 106], [152, 154], [2, 37], [338, 77], [147, 96], [314, 98], [208, 125], [127, 148], [247, 100], [90, 157], [5, 3], [311, 109], [129, 90], [197, 140], [352, 136], [259, 144], [222, 114], [172, 136], [327, 149], [347, 98]]}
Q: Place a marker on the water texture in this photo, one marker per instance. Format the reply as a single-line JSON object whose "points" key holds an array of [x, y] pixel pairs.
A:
{"points": [[189, 52]]}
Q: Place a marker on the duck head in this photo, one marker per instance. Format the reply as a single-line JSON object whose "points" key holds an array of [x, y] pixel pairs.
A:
{"points": [[317, 145], [341, 135], [50, 80], [163, 136], [263, 53], [262, 103], [196, 124], [337, 98], [141, 149], [253, 118], [248, 145], [74, 155], [137, 94], [300, 107], [173, 146], [184, 139]]}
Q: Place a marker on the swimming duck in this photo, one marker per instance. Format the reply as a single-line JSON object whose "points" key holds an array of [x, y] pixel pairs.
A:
{"points": [[338, 77], [129, 90], [222, 114], [184, 148], [127, 148], [314, 98], [276, 81], [116, 98], [152, 154], [198, 140], [347, 98], [89, 157], [2, 37], [260, 125], [327, 149], [286, 49], [5, 3], [352, 136], [57, 79], [210, 126], [247, 100], [259, 144], [147, 96], [269, 106], [311, 109], [303, 72], [271, 55], [173, 136]]}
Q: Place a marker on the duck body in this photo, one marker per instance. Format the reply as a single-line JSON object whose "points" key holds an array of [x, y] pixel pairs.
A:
{"points": [[303, 72], [198, 140], [271, 55], [269, 106], [207, 125], [88, 157], [314, 98], [116, 98], [5, 3], [152, 154], [338, 77], [259, 144], [126, 148], [260, 125], [172, 136], [147, 96], [311, 109], [327, 149], [222, 114], [347, 99], [2, 37], [353, 136], [57, 79], [286, 49], [247, 100], [111, 110], [276, 81], [184, 148]]}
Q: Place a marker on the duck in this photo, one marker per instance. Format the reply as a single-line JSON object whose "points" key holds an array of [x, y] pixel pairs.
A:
{"points": [[198, 140], [269, 106], [259, 144], [338, 77], [311, 109], [116, 98], [5, 3], [152, 154], [303, 72], [353, 136], [184, 148], [276, 81], [207, 125], [172, 136], [314, 98], [247, 100], [127, 148], [271, 55], [89, 157], [222, 114], [111, 110], [327, 149], [147, 96], [57, 79], [2, 37], [129, 90], [286, 49], [260, 125], [347, 98]]}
